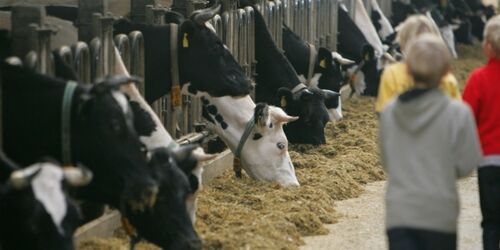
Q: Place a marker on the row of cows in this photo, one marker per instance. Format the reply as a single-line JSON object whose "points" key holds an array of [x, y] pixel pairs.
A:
{"points": [[126, 158]]}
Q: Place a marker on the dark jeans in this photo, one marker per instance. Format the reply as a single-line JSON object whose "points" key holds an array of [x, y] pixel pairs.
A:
{"points": [[489, 194], [402, 238]]}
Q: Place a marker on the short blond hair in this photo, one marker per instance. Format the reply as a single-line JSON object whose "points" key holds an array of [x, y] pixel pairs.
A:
{"points": [[413, 27], [492, 33], [428, 59]]}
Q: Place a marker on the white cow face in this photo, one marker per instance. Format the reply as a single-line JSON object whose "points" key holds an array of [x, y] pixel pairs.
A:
{"points": [[265, 153]]}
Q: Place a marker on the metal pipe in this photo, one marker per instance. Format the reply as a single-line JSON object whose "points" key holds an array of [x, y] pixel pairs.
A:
{"points": [[137, 57], [123, 46], [82, 62]]}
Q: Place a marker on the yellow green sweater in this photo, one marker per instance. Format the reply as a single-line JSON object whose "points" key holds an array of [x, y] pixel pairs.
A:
{"points": [[395, 80]]}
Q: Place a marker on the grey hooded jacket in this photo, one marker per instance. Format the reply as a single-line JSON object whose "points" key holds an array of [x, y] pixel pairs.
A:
{"points": [[426, 143]]}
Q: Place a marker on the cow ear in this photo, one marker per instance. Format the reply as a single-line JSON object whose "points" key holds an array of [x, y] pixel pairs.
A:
{"points": [[285, 97], [324, 58], [367, 53], [261, 114], [114, 82]]}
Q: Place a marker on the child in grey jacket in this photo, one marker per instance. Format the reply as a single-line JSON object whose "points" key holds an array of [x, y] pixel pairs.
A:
{"points": [[427, 142]]}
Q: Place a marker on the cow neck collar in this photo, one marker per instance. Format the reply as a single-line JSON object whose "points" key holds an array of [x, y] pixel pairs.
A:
{"points": [[312, 60], [69, 92], [246, 133]]}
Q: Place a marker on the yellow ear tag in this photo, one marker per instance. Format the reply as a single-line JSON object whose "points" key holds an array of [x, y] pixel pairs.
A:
{"points": [[283, 102], [322, 63], [185, 41]]}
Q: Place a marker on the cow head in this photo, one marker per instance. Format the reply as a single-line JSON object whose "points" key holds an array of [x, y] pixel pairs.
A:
{"points": [[168, 223], [309, 106], [102, 133], [205, 62], [34, 210], [105, 140], [366, 80], [331, 79]]}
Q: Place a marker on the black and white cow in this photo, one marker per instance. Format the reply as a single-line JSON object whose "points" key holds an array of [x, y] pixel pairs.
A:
{"points": [[279, 84], [34, 210], [208, 70], [101, 134], [353, 45], [172, 215], [324, 71]]}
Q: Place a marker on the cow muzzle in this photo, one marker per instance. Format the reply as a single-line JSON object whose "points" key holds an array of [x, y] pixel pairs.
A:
{"points": [[147, 200]]}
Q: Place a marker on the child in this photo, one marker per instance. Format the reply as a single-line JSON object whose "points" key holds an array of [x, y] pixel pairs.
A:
{"points": [[427, 142], [395, 80], [482, 93]]}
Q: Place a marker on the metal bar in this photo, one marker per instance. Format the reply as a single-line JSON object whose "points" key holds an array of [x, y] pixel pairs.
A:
{"points": [[123, 45], [138, 10], [137, 57], [96, 68], [66, 54], [86, 10], [82, 62], [22, 16]]}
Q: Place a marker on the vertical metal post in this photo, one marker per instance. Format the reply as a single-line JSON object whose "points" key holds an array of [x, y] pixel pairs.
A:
{"points": [[86, 9], [81, 61], [103, 28], [22, 16], [138, 9], [137, 57], [41, 37]]}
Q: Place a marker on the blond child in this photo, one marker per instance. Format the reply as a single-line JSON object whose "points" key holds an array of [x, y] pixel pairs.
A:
{"points": [[427, 142], [395, 79], [482, 93]]}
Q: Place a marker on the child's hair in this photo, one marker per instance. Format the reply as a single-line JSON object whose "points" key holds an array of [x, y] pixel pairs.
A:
{"points": [[428, 59], [413, 27], [492, 33]]}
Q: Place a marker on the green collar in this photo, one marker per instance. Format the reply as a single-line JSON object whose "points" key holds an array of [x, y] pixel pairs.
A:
{"points": [[66, 122]]}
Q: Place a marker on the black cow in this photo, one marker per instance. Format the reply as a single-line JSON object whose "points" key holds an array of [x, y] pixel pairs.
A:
{"points": [[102, 134], [353, 45], [204, 63], [326, 73], [34, 210], [168, 224], [279, 84], [169, 218]]}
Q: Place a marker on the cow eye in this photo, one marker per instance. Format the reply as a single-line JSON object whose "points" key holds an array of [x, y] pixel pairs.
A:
{"points": [[280, 145]]}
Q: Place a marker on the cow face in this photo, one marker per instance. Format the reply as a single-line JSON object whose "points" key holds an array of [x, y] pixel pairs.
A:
{"points": [[268, 139], [331, 79], [34, 210], [107, 139], [264, 155], [205, 62], [167, 224], [102, 135], [309, 106], [366, 80]]}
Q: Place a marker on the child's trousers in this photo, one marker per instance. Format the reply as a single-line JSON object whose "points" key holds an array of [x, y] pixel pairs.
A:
{"points": [[489, 194], [402, 238]]}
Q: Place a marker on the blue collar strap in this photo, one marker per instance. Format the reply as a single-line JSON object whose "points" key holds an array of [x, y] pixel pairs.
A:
{"points": [[66, 122], [248, 130]]}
